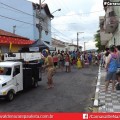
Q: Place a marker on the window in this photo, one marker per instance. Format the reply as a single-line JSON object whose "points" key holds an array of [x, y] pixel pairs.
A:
{"points": [[16, 70], [5, 71], [112, 13]]}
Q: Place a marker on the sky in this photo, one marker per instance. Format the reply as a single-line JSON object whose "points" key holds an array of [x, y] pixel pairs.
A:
{"points": [[75, 16]]}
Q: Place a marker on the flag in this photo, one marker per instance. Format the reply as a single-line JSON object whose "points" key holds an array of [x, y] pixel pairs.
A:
{"points": [[10, 46]]}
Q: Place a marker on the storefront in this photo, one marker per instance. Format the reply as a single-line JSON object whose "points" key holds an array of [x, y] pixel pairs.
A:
{"points": [[12, 42]]}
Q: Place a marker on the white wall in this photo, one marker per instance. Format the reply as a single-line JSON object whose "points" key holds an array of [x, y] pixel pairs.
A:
{"points": [[59, 48], [116, 34]]}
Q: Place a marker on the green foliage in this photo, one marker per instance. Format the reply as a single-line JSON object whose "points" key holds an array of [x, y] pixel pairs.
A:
{"points": [[97, 40]]}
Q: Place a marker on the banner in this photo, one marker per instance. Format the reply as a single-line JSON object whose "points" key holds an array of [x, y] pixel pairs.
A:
{"points": [[10, 47], [59, 116]]}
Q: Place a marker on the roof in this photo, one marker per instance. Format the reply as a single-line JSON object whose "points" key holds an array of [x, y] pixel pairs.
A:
{"points": [[75, 45], [58, 43], [42, 44], [5, 33], [9, 64], [45, 7], [8, 37]]}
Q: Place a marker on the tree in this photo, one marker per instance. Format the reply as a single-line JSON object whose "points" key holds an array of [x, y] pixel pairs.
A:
{"points": [[98, 42]]}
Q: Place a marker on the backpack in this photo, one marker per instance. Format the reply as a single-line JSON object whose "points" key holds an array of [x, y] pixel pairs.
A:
{"points": [[113, 63]]}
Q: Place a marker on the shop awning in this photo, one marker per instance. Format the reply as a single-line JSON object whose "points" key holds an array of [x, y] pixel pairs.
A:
{"points": [[15, 41], [42, 44]]}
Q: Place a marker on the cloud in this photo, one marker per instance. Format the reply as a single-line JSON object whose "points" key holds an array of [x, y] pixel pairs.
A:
{"points": [[66, 26]]}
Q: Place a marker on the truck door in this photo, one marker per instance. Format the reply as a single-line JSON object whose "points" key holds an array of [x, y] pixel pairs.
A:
{"points": [[18, 77]]}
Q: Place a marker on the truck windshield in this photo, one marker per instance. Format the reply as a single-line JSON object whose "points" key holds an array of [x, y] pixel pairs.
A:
{"points": [[5, 71]]}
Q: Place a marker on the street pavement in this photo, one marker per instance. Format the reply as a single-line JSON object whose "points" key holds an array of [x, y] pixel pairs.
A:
{"points": [[72, 93], [108, 101]]}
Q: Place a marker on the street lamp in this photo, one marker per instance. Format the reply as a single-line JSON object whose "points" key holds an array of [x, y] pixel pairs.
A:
{"points": [[78, 40], [84, 45], [56, 10]]}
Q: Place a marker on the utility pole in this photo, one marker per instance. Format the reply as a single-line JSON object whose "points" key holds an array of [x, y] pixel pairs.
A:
{"points": [[14, 29], [40, 25], [84, 46], [78, 40]]}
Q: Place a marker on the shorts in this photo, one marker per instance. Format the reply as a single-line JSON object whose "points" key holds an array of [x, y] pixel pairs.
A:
{"points": [[66, 63], [62, 63], [55, 64], [111, 76]]}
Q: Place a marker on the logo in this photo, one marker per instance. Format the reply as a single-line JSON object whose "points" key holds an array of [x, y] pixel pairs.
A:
{"points": [[104, 3], [85, 116], [111, 3]]}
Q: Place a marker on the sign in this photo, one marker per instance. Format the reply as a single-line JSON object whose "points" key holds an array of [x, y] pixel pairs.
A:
{"points": [[34, 49]]}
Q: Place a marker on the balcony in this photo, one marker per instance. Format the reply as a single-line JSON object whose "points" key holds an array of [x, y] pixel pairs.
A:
{"points": [[111, 23], [105, 37]]}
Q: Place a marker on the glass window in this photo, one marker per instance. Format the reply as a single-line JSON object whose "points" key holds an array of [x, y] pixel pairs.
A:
{"points": [[16, 70], [5, 71]]}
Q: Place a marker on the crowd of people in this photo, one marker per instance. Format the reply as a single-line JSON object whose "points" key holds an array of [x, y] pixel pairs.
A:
{"points": [[66, 61], [110, 59]]}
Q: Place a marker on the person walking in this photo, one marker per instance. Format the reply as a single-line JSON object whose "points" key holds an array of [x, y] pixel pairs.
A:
{"points": [[55, 60], [111, 68], [67, 62], [79, 65], [49, 65]]}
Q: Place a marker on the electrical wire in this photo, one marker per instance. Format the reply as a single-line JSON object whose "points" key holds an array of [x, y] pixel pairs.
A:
{"points": [[34, 16], [16, 9], [23, 13], [79, 14], [16, 20]]}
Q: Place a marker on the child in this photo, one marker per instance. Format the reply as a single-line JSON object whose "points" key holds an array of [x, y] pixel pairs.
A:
{"points": [[79, 63]]}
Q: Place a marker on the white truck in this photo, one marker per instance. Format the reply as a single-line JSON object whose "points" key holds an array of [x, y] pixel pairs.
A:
{"points": [[18, 72]]}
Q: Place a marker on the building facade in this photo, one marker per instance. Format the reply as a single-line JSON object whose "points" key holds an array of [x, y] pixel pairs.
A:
{"points": [[64, 46], [10, 42], [21, 17], [110, 25]]}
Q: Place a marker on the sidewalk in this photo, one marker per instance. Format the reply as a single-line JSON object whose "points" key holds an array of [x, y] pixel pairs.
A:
{"points": [[107, 102]]}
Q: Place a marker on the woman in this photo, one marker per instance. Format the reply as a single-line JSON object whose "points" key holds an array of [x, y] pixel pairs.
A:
{"points": [[55, 60], [67, 63], [50, 70]]}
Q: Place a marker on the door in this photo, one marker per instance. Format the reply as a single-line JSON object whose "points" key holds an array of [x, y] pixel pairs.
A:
{"points": [[18, 77]]}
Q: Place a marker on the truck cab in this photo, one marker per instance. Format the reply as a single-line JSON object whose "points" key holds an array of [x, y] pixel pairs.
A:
{"points": [[17, 76], [11, 79]]}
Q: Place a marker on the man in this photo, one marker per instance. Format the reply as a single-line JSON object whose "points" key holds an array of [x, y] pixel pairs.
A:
{"points": [[111, 68]]}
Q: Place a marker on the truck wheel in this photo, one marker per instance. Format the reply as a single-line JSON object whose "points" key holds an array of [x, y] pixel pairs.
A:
{"points": [[35, 84], [10, 96]]}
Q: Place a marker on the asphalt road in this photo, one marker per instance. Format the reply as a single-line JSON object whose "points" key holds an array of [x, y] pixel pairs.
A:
{"points": [[72, 93]]}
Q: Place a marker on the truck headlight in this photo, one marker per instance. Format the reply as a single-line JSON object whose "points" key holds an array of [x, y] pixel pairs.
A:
{"points": [[4, 93]]}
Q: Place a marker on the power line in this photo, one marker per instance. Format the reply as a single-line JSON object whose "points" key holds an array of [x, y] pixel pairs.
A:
{"points": [[79, 14], [25, 23], [23, 13], [16, 9], [16, 20]]}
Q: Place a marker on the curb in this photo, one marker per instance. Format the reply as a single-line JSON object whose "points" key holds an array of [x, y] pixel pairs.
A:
{"points": [[96, 100]]}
